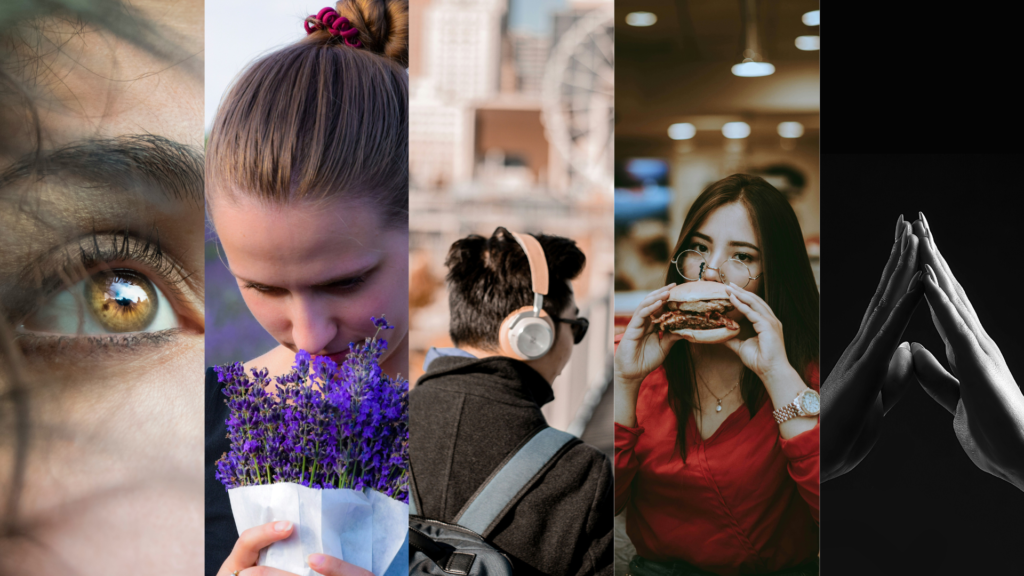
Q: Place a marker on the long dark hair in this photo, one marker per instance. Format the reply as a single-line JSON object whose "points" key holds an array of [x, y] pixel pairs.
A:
{"points": [[787, 286]]}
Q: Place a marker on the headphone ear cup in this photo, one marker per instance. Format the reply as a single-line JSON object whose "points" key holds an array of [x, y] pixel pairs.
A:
{"points": [[525, 336]]}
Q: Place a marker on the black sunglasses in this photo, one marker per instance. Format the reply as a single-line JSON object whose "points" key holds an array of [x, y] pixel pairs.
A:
{"points": [[579, 327]]}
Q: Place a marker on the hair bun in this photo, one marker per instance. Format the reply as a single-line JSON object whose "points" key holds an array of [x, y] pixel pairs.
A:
{"points": [[383, 26]]}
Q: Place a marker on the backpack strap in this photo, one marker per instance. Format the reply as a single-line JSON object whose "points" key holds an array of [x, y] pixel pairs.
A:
{"points": [[510, 481], [414, 494]]}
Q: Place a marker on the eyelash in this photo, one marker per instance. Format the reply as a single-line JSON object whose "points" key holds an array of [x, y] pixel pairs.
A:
{"points": [[344, 285], [749, 258], [98, 251]]}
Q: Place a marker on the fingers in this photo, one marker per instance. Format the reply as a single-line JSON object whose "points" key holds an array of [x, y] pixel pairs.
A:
{"points": [[894, 257], [753, 300], [897, 286], [649, 305], [760, 322], [947, 318], [884, 343], [936, 381], [898, 377], [930, 255], [247, 547], [331, 566]]}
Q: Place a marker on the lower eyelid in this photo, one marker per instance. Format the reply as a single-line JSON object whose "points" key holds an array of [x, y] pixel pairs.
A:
{"points": [[45, 346]]}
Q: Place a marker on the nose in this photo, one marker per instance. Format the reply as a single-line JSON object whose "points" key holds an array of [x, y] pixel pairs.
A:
{"points": [[312, 327], [712, 274]]}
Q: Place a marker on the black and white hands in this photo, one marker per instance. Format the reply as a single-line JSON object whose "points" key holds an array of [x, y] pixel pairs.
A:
{"points": [[874, 372], [986, 403]]}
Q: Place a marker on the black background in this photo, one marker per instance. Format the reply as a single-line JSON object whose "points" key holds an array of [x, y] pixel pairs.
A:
{"points": [[917, 504]]}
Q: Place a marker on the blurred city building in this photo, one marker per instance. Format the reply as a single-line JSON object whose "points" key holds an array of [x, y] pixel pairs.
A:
{"points": [[685, 119], [510, 125]]}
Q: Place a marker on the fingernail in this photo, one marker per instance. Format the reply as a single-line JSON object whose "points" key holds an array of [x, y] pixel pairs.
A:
{"points": [[316, 559], [931, 273], [905, 345], [899, 227], [904, 243], [282, 526], [913, 281]]}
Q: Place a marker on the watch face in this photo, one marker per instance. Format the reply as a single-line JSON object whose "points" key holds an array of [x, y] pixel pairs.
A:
{"points": [[810, 402]]}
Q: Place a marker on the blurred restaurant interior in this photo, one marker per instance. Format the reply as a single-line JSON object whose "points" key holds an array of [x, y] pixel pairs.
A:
{"points": [[705, 89], [684, 119]]}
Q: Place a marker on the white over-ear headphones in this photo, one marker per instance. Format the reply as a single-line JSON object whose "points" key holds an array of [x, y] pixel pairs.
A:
{"points": [[528, 333]]}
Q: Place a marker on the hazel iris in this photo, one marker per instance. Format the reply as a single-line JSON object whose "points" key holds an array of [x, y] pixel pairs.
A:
{"points": [[121, 300]]}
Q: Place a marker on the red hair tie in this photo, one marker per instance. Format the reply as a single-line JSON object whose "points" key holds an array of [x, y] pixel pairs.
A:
{"points": [[329, 19]]}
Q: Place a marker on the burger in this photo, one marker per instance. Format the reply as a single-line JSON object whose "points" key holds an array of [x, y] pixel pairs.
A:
{"points": [[696, 311]]}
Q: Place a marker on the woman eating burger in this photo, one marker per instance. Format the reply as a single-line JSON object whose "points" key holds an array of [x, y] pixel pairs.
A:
{"points": [[716, 427]]}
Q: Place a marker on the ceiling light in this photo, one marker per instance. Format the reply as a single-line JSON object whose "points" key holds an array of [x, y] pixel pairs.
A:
{"points": [[641, 18], [682, 131], [753, 63], [808, 42], [734, 130], [811, 18], [749, 68], [791, 129]]}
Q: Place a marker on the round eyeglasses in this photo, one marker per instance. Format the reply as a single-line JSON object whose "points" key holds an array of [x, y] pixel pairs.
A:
{"points": [[692, 265]]}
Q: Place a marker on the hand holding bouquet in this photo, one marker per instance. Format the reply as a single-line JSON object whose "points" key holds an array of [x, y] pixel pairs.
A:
{"points": [[328, 452]]}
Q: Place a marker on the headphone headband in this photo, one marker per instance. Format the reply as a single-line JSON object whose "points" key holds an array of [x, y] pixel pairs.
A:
{"points": [[538, 263]]}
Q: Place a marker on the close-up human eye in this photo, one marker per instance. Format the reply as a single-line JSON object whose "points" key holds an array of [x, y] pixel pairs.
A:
{"points": [[119, 300], [743, 257], [699, 247]]}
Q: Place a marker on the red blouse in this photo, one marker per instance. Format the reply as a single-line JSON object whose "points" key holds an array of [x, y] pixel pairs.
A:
{"points": [[745, 502]]}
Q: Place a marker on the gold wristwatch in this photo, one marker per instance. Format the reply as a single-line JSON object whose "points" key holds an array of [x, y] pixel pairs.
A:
{"points": [[806, 403]]}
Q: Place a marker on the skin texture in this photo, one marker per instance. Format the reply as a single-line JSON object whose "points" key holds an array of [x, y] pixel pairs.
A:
{"points": [[282, 271], [759, 346], [551, 364], [979, 391], [875, 370], [114, 467]]}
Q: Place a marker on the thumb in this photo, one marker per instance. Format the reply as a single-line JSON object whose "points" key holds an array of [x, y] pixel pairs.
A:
{"points": [[936, 381], [734, 344], [898, 377]]}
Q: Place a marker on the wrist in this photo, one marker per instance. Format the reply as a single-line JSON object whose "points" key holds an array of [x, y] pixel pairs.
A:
{"points": [[781, 373]]}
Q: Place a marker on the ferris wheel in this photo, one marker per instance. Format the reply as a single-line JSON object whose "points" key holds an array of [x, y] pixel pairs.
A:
{"points": [[579, 97]]}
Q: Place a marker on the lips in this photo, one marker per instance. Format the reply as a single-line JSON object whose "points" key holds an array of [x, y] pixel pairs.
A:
{"points": [[338, 357]]}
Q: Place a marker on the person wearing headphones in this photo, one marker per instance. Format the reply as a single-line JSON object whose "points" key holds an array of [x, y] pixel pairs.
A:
{"points": [[514, 322]]}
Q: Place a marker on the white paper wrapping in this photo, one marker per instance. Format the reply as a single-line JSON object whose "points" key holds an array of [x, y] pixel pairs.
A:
{"points": [[365, 529]]}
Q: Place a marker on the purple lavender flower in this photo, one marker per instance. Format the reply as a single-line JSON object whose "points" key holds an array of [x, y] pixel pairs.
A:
{"points": [[329, 427]]}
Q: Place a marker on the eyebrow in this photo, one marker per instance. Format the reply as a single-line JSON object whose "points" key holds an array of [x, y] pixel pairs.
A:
{"points": [[324, 284], [132, 162], [733, 243]]}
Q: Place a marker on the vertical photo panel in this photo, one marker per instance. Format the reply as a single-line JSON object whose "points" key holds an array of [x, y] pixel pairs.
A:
{"points": [[922, 450], [511, 263], [716, 288], [307, 246], [101, 286]]}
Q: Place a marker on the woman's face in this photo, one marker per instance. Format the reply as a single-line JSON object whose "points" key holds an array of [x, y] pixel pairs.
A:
{"points": [[313, 274], [113, 390], [728, 233]]}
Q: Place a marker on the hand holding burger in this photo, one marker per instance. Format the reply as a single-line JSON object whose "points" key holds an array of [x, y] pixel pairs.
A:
{"points": [[696, 311], [765, 353]]}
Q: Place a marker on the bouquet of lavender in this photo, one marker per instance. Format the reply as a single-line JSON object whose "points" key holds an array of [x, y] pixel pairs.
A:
{"points": [[328, 451]]}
